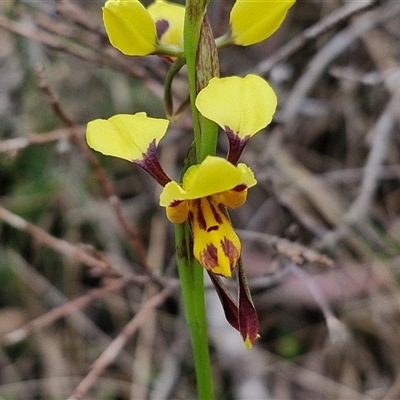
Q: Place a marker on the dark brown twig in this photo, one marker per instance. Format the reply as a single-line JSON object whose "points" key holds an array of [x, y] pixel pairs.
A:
{"points": [[19, 143], [297, 253], [59, 245], [59, 312]]}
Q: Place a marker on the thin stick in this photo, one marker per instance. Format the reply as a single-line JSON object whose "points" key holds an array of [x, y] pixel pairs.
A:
{"points": [[59, 312], [112, 351], [297, 253], [20, 143], [60, 245]]}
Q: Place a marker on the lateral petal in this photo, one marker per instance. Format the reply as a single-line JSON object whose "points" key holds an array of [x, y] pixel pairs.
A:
{"points": [[125, 136], [244, 105]]}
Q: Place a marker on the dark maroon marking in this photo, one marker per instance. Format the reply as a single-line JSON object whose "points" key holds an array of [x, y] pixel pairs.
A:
{"points": [[209, 256], [240, 188], [230, 251], [236, 145], [213, 228], [216, 214], [152, 166], [175, 203], [200, 215], [162, 26]]}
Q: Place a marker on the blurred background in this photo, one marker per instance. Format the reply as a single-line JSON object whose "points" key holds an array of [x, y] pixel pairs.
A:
{"points": [[89, 296]]}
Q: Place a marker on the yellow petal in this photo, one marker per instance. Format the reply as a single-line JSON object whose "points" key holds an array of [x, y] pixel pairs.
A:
{"points": [[245, 105], [125, 136], [213, 175], [216, 245], [169, 19], [178, 212], [232, 198], [129, 27], [252, 21]]}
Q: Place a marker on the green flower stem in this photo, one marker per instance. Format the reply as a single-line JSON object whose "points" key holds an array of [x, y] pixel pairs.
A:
{"points": [[192, 286], [176, 67]]}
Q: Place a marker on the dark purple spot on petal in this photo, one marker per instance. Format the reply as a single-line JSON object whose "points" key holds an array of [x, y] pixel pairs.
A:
{"points": [[240, 188], [213, 228], [162, 26]]}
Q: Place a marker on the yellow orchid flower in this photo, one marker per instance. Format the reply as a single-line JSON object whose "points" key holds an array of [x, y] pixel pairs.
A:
{"points": [[252, 21], [137, 31], [130, 137], [240, 106], [206, 190]]}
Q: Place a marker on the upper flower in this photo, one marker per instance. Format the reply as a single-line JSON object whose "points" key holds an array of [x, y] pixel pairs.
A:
{"points": [[240, 106], [252, 21], [206, 190], [137, 31]]}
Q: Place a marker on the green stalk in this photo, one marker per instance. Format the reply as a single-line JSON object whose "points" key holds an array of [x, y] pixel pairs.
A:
{"points": [[192, 287]]}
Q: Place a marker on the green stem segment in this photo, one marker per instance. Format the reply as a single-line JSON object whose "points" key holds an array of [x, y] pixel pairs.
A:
{"points": [[192, 286]]}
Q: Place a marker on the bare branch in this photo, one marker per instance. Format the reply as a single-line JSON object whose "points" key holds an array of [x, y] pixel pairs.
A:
{"points": [[297, 253]]}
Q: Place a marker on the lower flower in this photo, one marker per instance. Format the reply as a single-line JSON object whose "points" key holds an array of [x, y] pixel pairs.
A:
{"points": [[207, 190]]}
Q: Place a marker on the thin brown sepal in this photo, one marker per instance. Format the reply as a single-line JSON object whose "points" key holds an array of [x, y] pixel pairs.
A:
{"points": [[248, 318], [230, 308]]}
